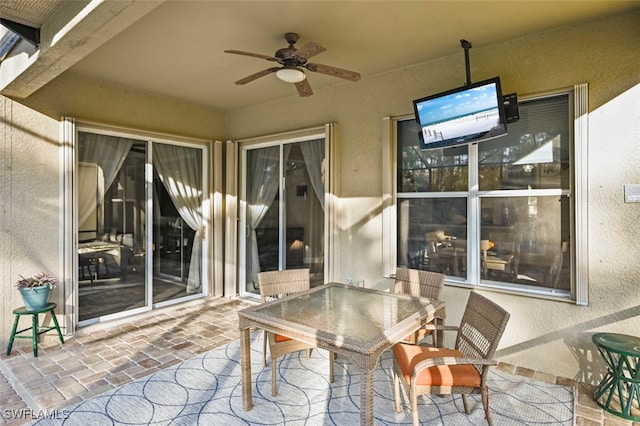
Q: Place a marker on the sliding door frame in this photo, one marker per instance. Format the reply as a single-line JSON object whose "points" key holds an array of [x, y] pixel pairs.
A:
{"points": [[236, 201], [212, 184]]}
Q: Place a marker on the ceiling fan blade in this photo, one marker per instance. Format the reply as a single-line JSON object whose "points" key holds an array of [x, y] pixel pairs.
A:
{"points": [[304, 88], [257, 75], [309, 49], [336, 72], [255, 55]]}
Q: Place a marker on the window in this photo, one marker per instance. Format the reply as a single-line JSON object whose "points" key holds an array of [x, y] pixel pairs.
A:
{"points": [[496, 214]]}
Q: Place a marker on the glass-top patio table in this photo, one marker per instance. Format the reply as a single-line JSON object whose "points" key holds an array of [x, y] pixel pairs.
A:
{"points": [[355, 322]]}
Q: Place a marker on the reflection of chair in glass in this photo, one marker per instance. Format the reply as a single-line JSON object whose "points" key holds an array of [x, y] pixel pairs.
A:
{"points": [[420, 284], [102, 260], [447, 254], [544, 266], [275, 285], [86, 262], [500, 256], [463, 370], [415, 253], [91, 263], [434, 243], [458, 251], [416, 259]]}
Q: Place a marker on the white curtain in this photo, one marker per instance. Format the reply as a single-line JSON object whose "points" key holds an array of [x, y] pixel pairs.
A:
{"points": [[108, 153], [90, 185], [313, 154], [180, 170], [262, 177]]}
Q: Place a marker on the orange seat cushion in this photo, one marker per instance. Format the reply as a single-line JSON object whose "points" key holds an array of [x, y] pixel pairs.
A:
{"points": [[441, 375], [280, 338]]}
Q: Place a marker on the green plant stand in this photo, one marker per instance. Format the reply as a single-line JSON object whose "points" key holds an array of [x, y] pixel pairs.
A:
{"points": [[619, 390], [36, 329]]}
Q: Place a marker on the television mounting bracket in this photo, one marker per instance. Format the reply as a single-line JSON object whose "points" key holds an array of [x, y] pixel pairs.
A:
{"points": [[510, 101], [466, 46]]}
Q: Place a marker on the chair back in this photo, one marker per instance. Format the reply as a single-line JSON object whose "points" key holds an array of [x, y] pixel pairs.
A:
{"points": [[433, 241], [277, 284], [481, 328], [419, 283]]}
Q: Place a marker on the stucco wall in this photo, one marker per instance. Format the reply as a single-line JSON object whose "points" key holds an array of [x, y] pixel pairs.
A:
{"points": [[544, 335], [83, 98], [29, 204]]}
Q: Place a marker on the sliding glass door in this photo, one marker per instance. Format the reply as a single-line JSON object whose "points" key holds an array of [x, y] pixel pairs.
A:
{"points": [[178, 222], [140, 224], [283, 217]]}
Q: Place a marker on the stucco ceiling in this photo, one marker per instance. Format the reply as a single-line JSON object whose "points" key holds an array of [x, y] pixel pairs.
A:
{"points": [[177, 49]]}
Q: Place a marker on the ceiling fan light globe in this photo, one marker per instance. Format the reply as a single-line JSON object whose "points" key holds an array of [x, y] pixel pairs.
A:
{"points": [[291, 75]]}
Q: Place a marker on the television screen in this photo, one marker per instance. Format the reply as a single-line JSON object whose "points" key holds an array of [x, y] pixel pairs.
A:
{"points": [[464, 115]]}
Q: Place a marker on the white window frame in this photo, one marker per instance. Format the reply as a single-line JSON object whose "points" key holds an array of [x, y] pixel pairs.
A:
{"points": [[578, 96]]}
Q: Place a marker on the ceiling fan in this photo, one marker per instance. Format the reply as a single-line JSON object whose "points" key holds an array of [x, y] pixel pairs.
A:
{"points": [[293, 60]]}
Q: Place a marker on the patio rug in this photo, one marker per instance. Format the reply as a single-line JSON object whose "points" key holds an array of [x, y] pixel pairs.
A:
{"points": [[206, 390]]}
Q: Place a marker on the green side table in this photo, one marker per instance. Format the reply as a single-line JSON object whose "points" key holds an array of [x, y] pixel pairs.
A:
{"points": [[619, 391], [36, 329]]}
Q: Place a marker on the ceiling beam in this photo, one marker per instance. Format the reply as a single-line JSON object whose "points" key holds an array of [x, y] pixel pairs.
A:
{"points": [[74, 30], [30, 34]]}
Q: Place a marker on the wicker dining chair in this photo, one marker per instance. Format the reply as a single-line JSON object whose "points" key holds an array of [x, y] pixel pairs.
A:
{"points": [[419, 283], [275, 285], [462, 370]]}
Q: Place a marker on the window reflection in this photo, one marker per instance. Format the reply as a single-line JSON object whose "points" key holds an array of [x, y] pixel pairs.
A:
{"points": [[429, 170], [534, 154], [433, 235], [523, 241]]}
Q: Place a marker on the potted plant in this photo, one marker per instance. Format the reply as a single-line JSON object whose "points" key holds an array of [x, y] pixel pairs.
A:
{"points": [[35, 290]]}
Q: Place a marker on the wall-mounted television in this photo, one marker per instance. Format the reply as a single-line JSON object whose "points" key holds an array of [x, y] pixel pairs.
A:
{"points": [[464, 115]]}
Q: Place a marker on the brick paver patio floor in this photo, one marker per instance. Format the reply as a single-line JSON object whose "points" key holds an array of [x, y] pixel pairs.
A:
{"points": [[102, 357]]}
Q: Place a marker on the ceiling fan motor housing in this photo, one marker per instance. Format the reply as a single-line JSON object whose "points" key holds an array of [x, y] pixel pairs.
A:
{"points": [[286, 56]]}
